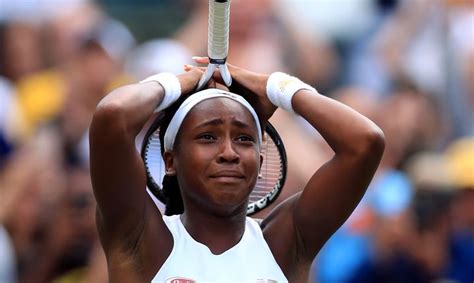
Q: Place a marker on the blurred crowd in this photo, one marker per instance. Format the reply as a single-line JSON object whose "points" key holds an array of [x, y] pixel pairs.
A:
{"points": [[406, 64]]}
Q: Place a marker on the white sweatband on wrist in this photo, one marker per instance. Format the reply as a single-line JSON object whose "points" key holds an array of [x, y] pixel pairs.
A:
{"points": [[170, 84], [282, 87]]}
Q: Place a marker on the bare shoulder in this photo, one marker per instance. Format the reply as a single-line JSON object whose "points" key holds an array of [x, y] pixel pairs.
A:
{"points": [[139, 257], [282, 237]]}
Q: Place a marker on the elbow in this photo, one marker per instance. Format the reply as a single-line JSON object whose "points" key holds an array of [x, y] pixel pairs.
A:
{"points": [[108, 112], [108, 109], [109, 115], [372, 143], [113, 106]]}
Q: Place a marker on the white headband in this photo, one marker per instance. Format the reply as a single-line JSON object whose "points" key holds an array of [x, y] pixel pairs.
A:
{"points": [[193, 100]]}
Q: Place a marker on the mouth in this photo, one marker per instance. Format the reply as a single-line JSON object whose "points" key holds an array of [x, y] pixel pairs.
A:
{"points": [[227, 180], [228, 176]]}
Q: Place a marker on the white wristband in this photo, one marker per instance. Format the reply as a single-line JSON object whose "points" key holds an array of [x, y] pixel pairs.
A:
{"points": [[170, 84], [282, 87]]}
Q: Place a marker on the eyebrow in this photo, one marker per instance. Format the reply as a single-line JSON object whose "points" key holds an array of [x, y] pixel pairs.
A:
{"points": [[218, 121]]}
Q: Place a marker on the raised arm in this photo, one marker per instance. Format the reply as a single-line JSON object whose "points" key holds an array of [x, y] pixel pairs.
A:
{"points": [[298, 228], [336, 188], [117, 171]]}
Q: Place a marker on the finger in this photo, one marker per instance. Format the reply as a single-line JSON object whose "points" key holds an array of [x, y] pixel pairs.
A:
{"points": [[188, 68], [235, 73], [195, 72], [234, 70], [243, 77], [201, 60]]}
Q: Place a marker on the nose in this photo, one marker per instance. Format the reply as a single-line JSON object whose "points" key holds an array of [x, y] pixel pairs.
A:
{"points": [[227, 153]]}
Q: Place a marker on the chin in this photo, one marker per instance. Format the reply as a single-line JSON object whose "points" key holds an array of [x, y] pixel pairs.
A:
{"points": [[227, 207]]}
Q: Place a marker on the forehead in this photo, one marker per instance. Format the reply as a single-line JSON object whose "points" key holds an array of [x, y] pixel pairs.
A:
{"points": [[219, 108]]}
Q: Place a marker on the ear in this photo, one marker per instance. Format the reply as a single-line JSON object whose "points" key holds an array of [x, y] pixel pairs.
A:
{"points": [[168, 158], [260, 166]]}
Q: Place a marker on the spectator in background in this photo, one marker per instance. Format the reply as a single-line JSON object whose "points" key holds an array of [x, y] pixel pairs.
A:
{"points": [[82, 79], [47, 209], [460, 95], [21, 53], [459, 157], [419, 254], [45, 199], [155, 56], [8, 113], [439, 242]]}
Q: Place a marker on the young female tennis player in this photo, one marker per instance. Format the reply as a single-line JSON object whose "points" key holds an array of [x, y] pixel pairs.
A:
{"points": [[212, 147]]}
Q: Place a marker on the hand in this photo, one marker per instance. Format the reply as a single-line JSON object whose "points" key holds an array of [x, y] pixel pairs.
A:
{"points": [[189, 80], [252, 86]]}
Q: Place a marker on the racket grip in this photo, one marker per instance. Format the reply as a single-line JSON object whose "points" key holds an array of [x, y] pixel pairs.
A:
{"points": [[218, 31]]}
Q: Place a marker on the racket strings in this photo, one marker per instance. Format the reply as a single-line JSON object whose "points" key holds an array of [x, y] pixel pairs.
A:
{"points": [[154, 163], [270, 171]]}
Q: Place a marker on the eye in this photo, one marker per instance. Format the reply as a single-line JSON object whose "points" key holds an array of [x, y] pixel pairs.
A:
{"points": [[245, 139], [207, 137]]}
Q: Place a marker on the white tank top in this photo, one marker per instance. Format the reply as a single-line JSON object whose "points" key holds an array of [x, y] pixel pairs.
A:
{"points": [[192, 262]]}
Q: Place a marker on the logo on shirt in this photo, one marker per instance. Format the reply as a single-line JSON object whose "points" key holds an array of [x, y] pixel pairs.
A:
{"points": [[180, 280]]}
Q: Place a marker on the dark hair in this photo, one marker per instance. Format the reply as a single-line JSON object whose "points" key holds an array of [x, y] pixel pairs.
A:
{"points": [[430, 207], [171, 189]]}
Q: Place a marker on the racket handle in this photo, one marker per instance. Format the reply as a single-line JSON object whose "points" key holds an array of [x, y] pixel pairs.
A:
{"points": [[218, 31]]}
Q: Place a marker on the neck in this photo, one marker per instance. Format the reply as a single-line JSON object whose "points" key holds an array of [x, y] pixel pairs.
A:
{"points": [[218, 233]]}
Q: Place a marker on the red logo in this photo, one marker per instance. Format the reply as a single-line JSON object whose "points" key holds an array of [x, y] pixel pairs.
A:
{"points": [[180, 280]]}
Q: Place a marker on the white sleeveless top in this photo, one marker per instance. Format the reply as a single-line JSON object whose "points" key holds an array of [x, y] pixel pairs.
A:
{"points": [[250, 261]]}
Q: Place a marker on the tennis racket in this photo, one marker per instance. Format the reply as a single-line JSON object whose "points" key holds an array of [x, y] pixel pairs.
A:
{"points": [[217, 42], [269, 183]]}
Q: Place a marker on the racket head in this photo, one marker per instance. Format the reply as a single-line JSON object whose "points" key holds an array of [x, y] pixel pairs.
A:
{"points": [[269, 184]]}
